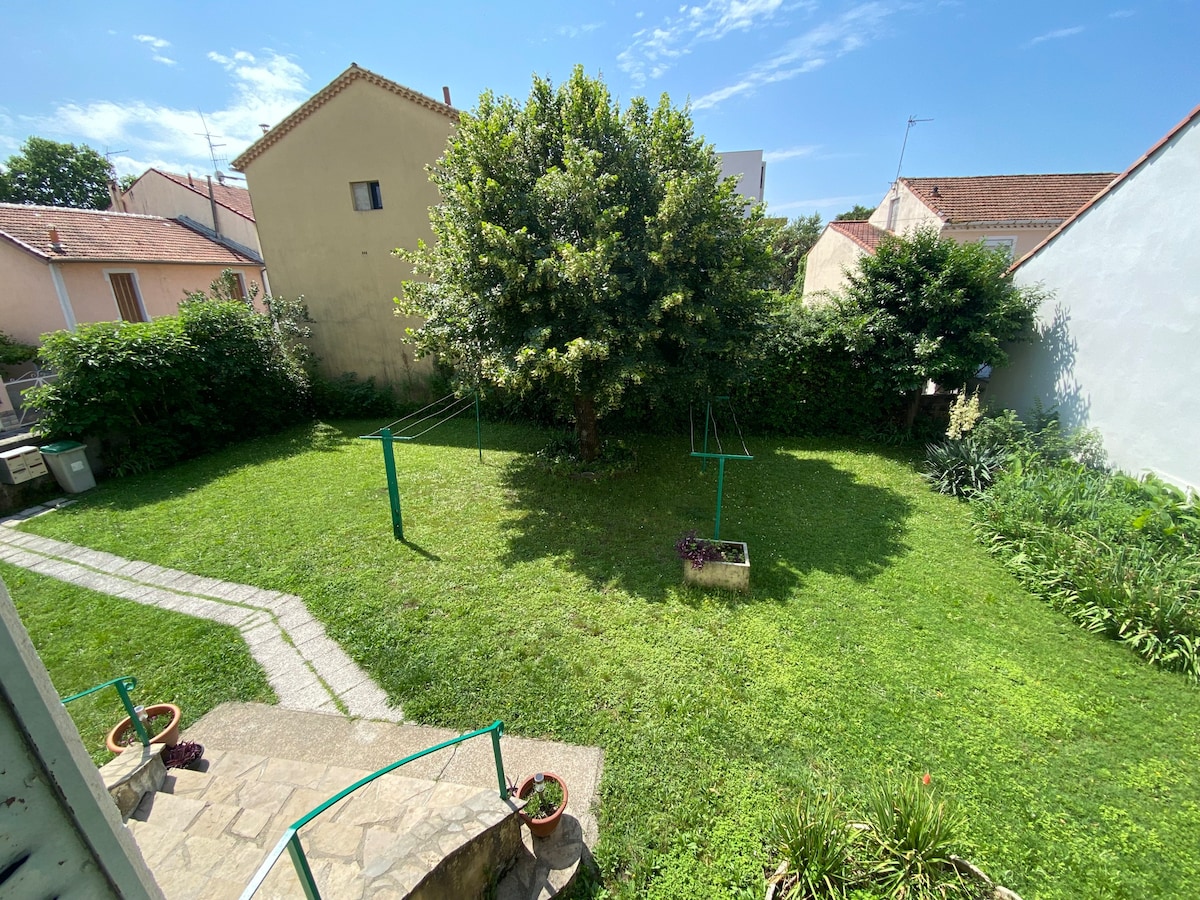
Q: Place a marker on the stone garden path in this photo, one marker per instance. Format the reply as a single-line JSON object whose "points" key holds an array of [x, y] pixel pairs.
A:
{"points": [[307, 670]]}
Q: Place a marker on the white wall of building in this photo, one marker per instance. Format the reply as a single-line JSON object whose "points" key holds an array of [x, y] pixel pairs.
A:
{"points": [[748, 168], [1119, 343]]}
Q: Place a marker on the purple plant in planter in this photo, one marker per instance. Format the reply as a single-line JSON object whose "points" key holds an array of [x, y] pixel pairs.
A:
{"points": [[699, 550]]}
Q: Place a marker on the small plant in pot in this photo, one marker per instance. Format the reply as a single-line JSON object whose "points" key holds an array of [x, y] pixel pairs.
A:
{"points": [[161, 721], [714, 563], [545, 796]]}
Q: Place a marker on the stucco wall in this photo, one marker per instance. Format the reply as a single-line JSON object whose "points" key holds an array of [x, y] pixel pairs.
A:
{"points": [[1027, 237], [747, 167], [157, 195], [829, 257], [160, 285], [316, 244], [1118, 343], [29, 305], [910, 213]]}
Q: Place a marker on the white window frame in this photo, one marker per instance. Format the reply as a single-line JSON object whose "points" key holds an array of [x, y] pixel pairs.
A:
{"points": [[1007, 241], [893, 213], [374, 195], [137, 292]]}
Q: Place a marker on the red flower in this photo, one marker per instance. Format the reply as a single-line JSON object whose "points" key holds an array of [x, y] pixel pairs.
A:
{"points": [[925, 779]]}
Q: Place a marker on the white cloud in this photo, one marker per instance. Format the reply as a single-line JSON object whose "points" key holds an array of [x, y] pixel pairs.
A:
{"points": [[653, 49], [1121, 14], [821, 203], [776, 156], [574, 31], [154, 42], [1055, 35], [850, 31], [262, 90]]}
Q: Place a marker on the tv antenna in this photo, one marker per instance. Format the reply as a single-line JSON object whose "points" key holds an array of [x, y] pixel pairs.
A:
{"points": [[212, 148], [912, 120]]}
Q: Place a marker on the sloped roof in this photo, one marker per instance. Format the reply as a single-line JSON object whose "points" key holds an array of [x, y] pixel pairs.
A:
{"points": [[1191, 117], [86, 234], [860, 231], [1008, 198], [327, 93], [235, 199]]}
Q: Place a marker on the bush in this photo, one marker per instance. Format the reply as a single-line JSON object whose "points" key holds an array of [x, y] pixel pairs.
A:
{"points": [[349, 397], [157, 392], [14, 352], [819, 846], [964, 467]]}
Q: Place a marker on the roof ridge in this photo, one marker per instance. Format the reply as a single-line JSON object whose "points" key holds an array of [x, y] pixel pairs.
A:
{"points": [[1013, 175], [179, 179], [90, 212], [327, 93]]}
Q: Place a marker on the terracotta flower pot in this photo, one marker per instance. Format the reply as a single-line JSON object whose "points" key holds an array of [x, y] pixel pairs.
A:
{"points": [[168, 736], [543, 827]]}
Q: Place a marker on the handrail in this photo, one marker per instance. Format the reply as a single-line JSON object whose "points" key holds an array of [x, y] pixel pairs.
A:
{"points": [[124, 684], [291, 838]]}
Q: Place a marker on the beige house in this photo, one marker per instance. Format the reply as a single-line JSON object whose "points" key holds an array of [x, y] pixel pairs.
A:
{"points": [[338, 185], [1012, 211], [213, 203], [60, 267]]}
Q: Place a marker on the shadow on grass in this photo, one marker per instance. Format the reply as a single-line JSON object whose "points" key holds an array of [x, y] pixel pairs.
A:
{"points": [[799, 516]]}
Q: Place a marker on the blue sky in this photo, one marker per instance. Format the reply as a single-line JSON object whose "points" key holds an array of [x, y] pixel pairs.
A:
{"points": [[825, 88]]}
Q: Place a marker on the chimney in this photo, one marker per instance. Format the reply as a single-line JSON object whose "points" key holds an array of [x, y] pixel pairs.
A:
{"points": [[55, 243], [190, 182], [446, 94]]}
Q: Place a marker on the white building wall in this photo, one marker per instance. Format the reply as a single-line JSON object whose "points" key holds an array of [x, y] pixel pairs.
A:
{"points": [[748, 168], [827, 262], [1119, 348]]}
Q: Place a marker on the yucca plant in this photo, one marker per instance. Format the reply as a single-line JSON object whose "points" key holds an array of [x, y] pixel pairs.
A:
{"points": [[914, 832], [963, 468], [818, 844]]}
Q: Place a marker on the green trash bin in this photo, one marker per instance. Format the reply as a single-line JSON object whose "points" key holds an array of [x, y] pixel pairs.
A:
{"points": [[67, 460]]}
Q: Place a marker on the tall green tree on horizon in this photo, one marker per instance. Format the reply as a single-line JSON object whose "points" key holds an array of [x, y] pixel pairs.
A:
{"points": [[49, 173], [587, 254]]}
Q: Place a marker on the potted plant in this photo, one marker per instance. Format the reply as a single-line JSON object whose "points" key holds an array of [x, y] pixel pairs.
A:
{"points": [[161, 721], [545, 796], [710, 563]]}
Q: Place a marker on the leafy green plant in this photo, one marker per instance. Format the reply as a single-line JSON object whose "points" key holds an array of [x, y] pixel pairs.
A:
{"points": [[14, 352], [701, 550], [819, 846], [543, 803], [962, 468], [914, 833]]}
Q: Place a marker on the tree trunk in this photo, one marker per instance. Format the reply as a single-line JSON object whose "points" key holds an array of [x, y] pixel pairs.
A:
{"points": [[913, 408], [585, 428]]}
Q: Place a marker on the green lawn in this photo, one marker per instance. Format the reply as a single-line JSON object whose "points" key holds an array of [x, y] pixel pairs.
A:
{"points": [[879, 639]]}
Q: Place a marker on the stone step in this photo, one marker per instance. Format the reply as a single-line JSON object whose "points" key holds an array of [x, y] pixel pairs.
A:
{"points": [[206, 832]]}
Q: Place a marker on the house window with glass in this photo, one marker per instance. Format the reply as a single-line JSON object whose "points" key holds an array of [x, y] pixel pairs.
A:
{"points": [[1008, 243], [366, 195]]}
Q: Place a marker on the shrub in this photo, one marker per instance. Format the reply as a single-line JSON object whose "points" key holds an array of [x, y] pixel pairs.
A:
{"points": [[819, 846], [964, 467], [349, 397], [14, 352], [156, 392], [914, 833]]}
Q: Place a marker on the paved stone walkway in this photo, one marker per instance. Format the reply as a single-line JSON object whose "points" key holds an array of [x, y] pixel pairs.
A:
{"points": [[307, 670]]}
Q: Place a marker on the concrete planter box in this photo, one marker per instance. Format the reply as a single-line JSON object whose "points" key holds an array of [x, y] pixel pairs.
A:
{"points": [[726, 575]]}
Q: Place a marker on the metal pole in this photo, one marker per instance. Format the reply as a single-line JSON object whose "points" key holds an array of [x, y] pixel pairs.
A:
{"points": [[720, 490], [389, 465], [496, 729], [300, 861], [478, 429], [707, 418], [133, 716]]}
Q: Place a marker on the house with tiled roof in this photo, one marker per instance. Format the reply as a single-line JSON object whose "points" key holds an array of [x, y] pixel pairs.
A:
{"points": [[1117, 335], [1011, 211], [62, 267], [213, 202], [337, 185]]}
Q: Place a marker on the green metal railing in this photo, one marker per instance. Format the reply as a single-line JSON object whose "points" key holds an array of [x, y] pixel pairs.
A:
{"points": [[291, 838], [124, 685]]}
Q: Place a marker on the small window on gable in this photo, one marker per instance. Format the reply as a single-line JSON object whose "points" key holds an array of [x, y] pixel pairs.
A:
{"points": [[893, 213], [366, 195]]}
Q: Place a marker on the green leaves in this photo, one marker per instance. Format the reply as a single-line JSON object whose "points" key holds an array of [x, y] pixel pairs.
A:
{"points": [[52, 174]]}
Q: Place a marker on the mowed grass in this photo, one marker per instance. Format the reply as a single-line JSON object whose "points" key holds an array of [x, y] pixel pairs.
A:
{"points": [[85, 639], [880, 640]]}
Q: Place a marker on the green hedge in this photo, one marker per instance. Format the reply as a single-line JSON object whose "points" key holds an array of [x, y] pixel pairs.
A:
{"points": [[157, 392]]}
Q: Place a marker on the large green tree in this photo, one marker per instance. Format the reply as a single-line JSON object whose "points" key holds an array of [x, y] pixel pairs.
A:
{"points": [[790, 243], [857, 212], [928, 308], [48, 173], [588, 254]]}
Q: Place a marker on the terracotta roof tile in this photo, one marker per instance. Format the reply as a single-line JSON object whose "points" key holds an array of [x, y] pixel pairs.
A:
{"points": [[327, 93], [861, 232], [85, 234], [235, 199], [1008, 198]]}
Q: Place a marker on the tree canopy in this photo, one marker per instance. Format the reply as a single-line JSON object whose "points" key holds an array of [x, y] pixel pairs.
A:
{"points": [[587, 253], [48, 173], [856, 213], [930, 308], [790, 243]]}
